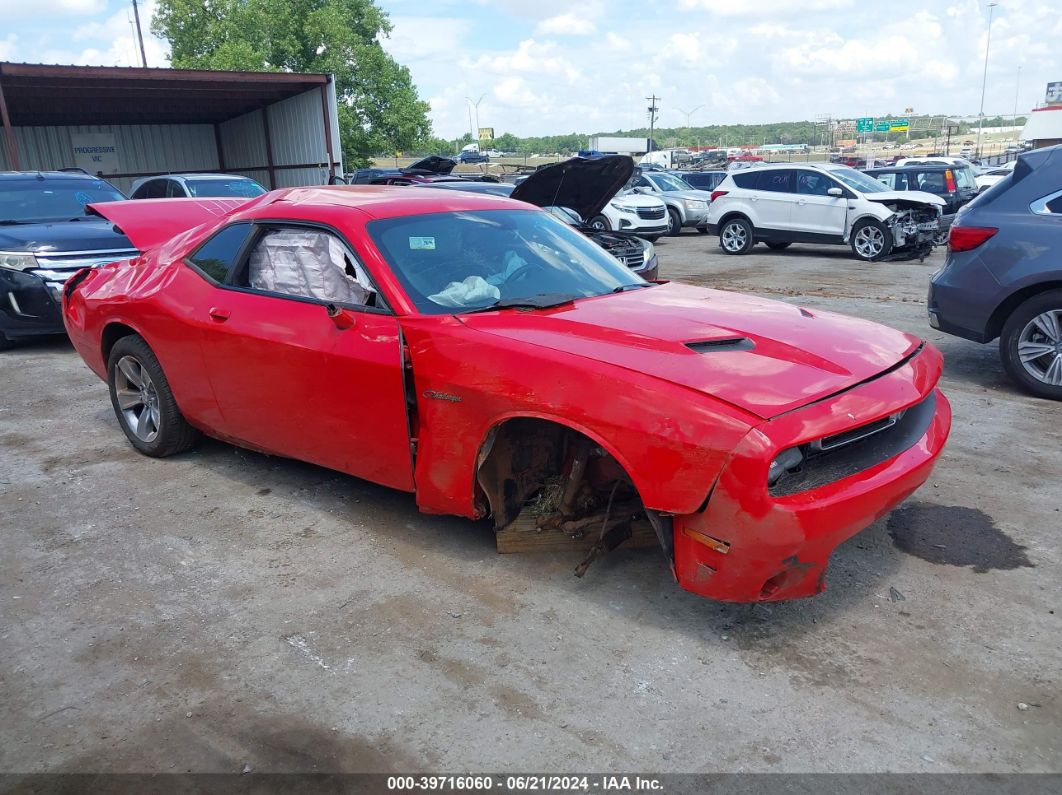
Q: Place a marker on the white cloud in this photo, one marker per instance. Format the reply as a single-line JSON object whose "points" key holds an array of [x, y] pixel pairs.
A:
{"points": [[763, 8], [420, 38], [566, 25], [37, 8], [8, 47]]}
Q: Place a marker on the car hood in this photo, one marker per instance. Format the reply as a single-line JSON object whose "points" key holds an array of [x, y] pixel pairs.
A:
{"points": [[692, 195], [906, 195], [632, 199], [432, 164], [86, 234], [763, 356], [585, 184]]}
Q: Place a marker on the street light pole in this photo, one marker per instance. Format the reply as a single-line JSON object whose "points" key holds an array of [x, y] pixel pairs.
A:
{"points": [[475, 132], [652, 119], [984, 79], [1017, 87]]}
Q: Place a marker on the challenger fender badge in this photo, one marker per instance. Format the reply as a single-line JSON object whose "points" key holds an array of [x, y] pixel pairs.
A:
{"points": [[431, 393]]}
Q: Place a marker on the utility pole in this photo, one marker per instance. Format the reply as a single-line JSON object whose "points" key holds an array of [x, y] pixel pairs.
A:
{"points": [[984, 79], [652, 118], [139, 34]]}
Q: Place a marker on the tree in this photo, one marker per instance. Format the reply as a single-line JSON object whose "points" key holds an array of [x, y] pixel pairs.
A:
{"points": [[379, 109]]}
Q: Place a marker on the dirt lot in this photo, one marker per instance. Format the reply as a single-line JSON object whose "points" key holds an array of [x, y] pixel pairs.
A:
{"points": [[223, 608]]}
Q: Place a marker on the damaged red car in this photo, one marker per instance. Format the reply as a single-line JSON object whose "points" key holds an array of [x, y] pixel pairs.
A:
{"points": [[494, 362]]}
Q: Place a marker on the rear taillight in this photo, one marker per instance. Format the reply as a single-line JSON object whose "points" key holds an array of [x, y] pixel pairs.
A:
{"points": [[949, 181], [965, 238], [717, 193]]}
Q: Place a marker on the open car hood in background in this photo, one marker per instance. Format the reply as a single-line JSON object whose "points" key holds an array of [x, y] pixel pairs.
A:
{"points": [[584, 184], [149, 223], [432, 164]]}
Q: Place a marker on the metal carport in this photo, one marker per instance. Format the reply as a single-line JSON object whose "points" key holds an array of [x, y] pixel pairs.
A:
{"points": [[279, 128]]}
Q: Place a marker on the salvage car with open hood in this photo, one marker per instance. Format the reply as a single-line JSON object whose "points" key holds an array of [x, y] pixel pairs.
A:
{"points": [[477, 352], [596, 188]]}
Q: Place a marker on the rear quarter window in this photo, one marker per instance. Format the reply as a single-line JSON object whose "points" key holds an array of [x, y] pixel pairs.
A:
{"points": [[746, 179], [216, 257]]}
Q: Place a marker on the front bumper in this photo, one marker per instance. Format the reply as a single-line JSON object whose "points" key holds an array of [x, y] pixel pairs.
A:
{"points": [[749, 546], [29, 305]]}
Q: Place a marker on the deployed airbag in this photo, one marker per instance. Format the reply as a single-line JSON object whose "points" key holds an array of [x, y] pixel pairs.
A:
{"points": [[309, 263]]}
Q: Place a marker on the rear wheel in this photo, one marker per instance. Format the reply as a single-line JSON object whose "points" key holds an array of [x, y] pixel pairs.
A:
{"points": [[5, 343], [871, 240], [143, 401], [778, 245], [601, 223], [674, 222], [735, 236], [1031, 345]]}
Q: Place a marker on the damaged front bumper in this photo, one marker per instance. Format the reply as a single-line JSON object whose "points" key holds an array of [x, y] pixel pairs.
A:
{"points": [[913, 235], [750, 545]]}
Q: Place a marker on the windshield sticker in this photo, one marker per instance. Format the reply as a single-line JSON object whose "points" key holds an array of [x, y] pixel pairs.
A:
{"points": [[422, 244]]}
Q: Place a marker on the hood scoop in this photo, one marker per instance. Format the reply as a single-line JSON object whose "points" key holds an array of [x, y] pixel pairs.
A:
{"points": [[721, 346]]}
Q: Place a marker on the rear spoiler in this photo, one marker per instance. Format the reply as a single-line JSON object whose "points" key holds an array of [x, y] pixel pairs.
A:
{"points": [[149, 223]]}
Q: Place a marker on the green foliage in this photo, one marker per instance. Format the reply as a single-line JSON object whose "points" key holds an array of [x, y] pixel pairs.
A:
{"points": [[379, 109]]}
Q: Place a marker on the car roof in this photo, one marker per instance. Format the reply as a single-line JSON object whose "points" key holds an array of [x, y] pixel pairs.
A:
{"points": [[912, 167], [78, 174], [381, 201]]}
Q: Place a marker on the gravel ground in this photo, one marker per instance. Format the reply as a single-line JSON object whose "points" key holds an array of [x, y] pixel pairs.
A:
{"points": [[222, 608]]}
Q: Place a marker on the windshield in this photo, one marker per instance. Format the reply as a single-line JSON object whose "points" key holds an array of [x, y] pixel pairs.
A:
{"points": [[34, 201], [857, 180], [668, 182], [457, 261], [241, 188]]}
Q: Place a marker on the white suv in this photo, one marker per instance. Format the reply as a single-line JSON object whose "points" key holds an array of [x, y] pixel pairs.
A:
{"points": [[645, 216], [785, 203]]}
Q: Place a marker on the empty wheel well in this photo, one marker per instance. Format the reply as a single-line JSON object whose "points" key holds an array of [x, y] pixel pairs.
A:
{"points": [[549, 467], [1003, 311], [111, 334]]}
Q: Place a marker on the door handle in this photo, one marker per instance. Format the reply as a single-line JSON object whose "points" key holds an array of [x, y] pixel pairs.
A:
{"points": [[219, 314], [802, 201]]}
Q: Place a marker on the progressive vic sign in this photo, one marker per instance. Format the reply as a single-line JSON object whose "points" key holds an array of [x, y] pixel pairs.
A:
{"points": [[95, 152]]}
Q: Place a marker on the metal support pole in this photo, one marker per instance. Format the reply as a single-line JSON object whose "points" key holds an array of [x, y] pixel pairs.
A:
{"points": [[9, 134], [984, 79]]}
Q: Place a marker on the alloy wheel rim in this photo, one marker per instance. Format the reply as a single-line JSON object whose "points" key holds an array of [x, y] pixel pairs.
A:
{"points": [[734, 237], [869, 241], [1040, 347], [138, 400]]}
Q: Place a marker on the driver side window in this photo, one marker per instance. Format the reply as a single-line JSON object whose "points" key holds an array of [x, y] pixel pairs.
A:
{"points": [[307, 263]]}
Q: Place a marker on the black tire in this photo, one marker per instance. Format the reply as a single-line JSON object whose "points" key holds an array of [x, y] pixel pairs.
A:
{"points": [[735, 236], [866, 231], [172, 432], [5, 343], [675, 227], [778, 245], [1016, 331], [600, 222], [653, 238], [702, 229]]}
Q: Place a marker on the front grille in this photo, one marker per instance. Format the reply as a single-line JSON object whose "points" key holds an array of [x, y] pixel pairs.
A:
{"points": [[651, 213], [846, 453], [57, 268]]}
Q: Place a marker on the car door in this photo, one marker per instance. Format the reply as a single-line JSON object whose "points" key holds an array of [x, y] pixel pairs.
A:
{"points": [[152, 189], [815, 212], [305, 359], [774, 198]]}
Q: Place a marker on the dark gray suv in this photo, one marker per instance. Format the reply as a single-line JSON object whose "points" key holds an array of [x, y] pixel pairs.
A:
{"points": [[1003, 273]]}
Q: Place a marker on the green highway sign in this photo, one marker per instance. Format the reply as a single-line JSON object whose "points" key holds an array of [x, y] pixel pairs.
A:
{"points": [[900, 125], [881, 126], [866, 124]]}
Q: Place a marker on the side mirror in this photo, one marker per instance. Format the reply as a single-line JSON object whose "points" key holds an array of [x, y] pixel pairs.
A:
{"points": [[342, 318], [834, 192]]}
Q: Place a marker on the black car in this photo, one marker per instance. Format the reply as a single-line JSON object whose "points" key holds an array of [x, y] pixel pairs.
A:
{"points": [[572, 191], [46, 237], [956, 185], [1003, 276]]}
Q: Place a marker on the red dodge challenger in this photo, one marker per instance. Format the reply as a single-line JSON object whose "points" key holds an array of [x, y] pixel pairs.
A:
{"points": [[483, 355]]}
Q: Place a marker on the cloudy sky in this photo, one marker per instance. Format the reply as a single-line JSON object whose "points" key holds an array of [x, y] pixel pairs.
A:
{"points": [[554, 66]]}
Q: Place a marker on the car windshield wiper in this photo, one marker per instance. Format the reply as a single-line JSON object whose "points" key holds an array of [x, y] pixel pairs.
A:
{"points": [[545, 301], [625, 287], [13, 222]]}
